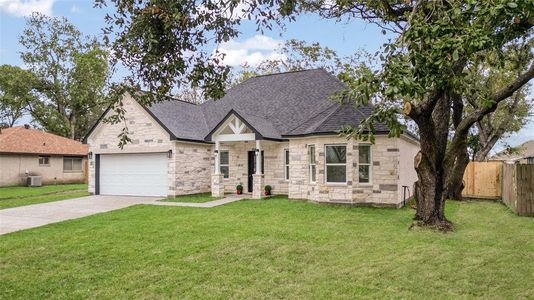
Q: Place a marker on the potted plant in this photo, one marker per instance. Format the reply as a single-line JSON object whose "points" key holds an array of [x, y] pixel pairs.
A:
{"points": [[268, 189], [239, 189]]}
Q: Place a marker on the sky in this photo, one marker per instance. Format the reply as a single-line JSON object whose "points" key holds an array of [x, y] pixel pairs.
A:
{"points": [[250, 47]]}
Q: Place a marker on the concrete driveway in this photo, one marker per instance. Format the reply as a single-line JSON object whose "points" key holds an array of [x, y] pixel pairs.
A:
{"points": [[30, 216]]}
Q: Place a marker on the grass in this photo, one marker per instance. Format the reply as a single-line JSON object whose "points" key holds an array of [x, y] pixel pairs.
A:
{"points": [[272, 249], [195, 198], [24, 191], [20, 196]]}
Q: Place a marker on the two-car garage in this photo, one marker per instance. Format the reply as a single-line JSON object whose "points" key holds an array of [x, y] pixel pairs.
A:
{"points": [[132, 174]]}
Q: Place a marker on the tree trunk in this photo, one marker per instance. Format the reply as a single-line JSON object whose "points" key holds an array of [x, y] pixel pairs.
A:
{"points": [[431, 169], [455, 183]]}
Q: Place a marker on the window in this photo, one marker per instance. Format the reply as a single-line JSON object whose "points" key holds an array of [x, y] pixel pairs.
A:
{"points": [[72, 164], [286, 164], [364, 163], [44, 161], [336, 163], [311, 162], [530, 160], [224, 164]]}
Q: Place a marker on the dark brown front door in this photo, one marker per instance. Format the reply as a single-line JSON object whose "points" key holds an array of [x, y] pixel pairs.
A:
{"points": [[252, 168]]}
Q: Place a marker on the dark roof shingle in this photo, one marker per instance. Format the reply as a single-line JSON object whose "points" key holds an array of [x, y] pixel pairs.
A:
{"points": [[276, 106]]}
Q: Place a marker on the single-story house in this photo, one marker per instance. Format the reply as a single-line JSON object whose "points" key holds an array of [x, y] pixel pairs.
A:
{"points": [[279, 130], [25, 151], [523, 155]]}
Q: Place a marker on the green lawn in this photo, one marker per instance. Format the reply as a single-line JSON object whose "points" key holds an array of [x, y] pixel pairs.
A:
{"points": [[19, 195], [272, 249], [196, 198]]}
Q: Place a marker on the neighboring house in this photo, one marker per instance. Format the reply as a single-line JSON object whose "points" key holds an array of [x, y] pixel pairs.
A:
{"points": [[523, 155], [25, 151], [279, 129]]}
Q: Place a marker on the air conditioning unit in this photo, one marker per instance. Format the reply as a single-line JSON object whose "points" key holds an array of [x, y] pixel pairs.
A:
{"points": [[35, 181]]}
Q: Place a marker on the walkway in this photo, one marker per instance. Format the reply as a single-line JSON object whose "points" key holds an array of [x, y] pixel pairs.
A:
{"points": [[30, 216], [226, 200]]}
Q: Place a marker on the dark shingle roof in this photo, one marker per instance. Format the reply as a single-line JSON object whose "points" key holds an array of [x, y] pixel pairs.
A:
{"points": [[276, 106], [185, 120]]}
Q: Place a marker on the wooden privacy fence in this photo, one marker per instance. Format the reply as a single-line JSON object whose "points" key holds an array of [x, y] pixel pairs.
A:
{"points": [[518, 188], [483, 180]]}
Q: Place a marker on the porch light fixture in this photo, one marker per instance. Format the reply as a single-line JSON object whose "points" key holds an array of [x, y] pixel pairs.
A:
{"points": [[216, 151], [257, 150], [90, 155], [169, 154]]}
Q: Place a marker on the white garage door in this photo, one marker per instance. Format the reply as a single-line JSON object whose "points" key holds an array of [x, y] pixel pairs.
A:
{"points": [[133, 174]]}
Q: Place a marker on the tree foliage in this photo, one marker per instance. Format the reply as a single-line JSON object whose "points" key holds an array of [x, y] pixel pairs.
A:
{"points": [[71, 73], [16, 92]]}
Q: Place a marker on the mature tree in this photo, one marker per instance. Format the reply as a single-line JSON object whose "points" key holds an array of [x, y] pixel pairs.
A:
{"points": [[16, 92], [426, 65], [71, 71]]}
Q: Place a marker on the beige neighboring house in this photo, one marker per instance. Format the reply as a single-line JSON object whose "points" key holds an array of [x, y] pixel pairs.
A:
{"points": [[25, 151], [279, 130], [523, 155]]}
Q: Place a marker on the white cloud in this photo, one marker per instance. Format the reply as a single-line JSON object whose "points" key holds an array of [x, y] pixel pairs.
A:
{"points": [[23, 8], [251, 51]]}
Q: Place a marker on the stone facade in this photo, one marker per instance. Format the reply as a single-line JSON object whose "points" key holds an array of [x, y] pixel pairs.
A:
{"points": [[383, 190], [257, 190], [273, 153], [191, 165], [189, 168], [217, 185]]}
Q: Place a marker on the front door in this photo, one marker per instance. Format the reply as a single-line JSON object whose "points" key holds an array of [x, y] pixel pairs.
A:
{"points": [[252, 168]]}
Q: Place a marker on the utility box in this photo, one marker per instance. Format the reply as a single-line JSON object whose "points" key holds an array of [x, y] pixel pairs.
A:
{"points": [[35, 181]]}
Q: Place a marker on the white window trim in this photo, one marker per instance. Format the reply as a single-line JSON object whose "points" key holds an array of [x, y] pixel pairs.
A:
{"points": [[335, 164], [370, 164], [286, 164], [310, 164], [224, 165]]}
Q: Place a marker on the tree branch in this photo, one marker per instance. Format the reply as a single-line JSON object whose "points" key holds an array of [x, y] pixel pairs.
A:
{"points": [[499, 96]]}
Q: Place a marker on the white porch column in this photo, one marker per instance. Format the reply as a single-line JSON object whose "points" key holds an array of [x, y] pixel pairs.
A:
{"points": [[257, 187], [217, 158], [217, 180], [258, 157]]}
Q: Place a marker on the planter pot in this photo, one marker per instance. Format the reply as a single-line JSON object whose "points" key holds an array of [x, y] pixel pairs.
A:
{"points": [[267, 193], [239, 192]]}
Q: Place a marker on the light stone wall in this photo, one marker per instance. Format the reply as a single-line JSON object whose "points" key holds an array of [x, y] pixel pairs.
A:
{"points": [[13, 170], [383, 189], [408, 148], [146, 135], [189, 168], [238, 164]]}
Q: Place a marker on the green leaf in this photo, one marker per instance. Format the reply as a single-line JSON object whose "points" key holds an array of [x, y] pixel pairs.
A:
{"points": [[512, 4], [455, 55]]}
